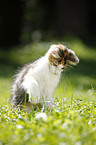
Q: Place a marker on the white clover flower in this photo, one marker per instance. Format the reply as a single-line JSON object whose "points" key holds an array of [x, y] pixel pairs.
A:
{"points": [[42, 116], [19, 126]]}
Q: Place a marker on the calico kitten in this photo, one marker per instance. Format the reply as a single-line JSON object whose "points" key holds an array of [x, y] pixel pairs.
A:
{"points": [[35, 83]]}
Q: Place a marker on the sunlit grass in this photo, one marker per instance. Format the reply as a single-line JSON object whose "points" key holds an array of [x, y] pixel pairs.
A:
{"points": [[4, 90]]}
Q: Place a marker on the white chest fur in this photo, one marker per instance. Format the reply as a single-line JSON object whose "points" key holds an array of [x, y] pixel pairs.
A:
{"points": [[41, 81]]}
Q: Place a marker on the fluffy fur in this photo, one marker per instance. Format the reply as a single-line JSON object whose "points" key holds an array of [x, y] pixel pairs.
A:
{"points": [[35, 83]]}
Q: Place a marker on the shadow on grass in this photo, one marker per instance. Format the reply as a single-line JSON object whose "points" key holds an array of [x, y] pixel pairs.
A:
{"points": [[88, 68], [7, 68], [83, 75]]}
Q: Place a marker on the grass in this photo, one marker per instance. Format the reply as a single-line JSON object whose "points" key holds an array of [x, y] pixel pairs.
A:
{"points": [[73, 122]]}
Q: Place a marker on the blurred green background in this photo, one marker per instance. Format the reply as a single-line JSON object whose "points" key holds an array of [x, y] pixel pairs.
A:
{"points": [[28, 28]]}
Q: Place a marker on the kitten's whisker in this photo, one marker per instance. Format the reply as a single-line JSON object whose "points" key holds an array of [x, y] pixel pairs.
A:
{"points": [[71, 67]]}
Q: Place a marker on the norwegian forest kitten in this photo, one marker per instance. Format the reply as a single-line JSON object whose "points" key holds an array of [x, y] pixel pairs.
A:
{"points": [[35, 83]]}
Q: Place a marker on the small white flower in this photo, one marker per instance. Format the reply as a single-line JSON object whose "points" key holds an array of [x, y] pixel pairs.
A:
{"points": [[62, 143], [19, 126], [89, 121], [39, 135], [41, 116]]}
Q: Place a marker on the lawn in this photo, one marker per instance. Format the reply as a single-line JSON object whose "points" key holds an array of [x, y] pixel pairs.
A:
{"points": [[73, 122]]}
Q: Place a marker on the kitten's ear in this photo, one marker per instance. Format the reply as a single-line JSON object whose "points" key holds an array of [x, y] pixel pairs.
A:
{"points": [[73, 59], [54, 58]]}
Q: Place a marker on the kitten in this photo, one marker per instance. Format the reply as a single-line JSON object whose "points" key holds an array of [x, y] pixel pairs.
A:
{"points": [[35, 82]]}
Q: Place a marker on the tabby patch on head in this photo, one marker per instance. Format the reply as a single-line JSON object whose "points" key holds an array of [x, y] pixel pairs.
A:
{"points": [[60, 54]]}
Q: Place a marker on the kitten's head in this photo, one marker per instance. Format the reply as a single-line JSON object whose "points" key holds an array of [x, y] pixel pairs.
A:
{"points": [[61, 55]]}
